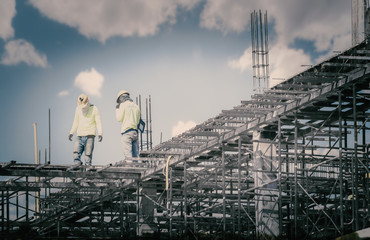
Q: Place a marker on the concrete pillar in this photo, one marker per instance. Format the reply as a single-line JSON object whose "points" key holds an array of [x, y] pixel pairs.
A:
{"points": [[359, 7], [266, 198], [147, 210], [367, 23]]}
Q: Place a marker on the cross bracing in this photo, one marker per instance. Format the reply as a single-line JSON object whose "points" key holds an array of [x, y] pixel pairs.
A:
{"points": [[291, 162]]}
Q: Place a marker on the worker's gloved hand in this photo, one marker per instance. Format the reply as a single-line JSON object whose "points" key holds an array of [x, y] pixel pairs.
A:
{"points": [[117, 106], [100, 137], [70, 137]]}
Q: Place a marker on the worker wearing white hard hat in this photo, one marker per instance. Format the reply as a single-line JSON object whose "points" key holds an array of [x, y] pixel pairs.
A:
{"points": [[86, 122], [128, 113]]}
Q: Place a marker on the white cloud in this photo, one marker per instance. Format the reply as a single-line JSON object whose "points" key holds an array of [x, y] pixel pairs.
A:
{"points": [[188, 4], [326, 25], [101, 20], [7, 12], [63, 93], [284, 62], [340, 43], [319, 21], [182, 127], [244, 62], [18, 51], [226, 15], [90, 82]]}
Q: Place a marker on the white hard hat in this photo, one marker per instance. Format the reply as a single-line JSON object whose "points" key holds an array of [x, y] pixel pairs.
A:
{"points": [[82, 100], [122, 92]]}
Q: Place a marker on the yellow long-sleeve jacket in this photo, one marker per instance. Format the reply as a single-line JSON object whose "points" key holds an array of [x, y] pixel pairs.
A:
{"points": [[87, 124], [129, 114]]}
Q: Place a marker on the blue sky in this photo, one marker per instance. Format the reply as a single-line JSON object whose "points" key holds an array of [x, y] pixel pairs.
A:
{"points": [[193, 57]]}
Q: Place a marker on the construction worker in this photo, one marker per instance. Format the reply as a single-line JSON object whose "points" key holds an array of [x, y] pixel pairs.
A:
{"points": [[86, 122], [128, 113]]}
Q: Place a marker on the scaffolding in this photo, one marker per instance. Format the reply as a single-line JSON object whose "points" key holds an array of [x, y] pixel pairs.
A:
{"points": [[292, 162]]}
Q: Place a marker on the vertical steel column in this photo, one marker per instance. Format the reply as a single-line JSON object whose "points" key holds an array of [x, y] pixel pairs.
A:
{"points": [[7, 210], [101, 213], [147, 124], [260, 65], [295, 173], [49, 139], [185, 198], [239, 186], [2, 211], [141, 134], [263, 87], [345, 126], [27, 200], [150, 122], [137, 207], [17, 203], [305, 177], [248, 206], [340, 162], [279, 178], [37, 192], [170, 202], [121, 225], [367, 175], [289, 188], [45, 189], [355, 157], [36, 162], [253, 24], [353, 192], [264, 50], [257, 56], [267, 65], [223, 191]]}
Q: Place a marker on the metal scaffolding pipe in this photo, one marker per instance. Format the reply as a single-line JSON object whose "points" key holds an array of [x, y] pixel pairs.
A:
{"points": [[295, 174], [355, 135], [239, 186], [150, 122], [340, 161], [170, 206], [49, 138], [223, 191], [185, 197], [147, 124], [279, 178]]}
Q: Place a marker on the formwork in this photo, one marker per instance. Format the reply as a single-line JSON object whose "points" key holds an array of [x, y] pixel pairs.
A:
{"points": [[291, 163]]}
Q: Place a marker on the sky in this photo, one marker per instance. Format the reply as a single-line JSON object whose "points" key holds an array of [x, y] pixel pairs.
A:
{"points": [[192, 58]]}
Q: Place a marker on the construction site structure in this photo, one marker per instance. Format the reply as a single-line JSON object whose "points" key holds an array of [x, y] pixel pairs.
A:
{"points": [[293, 162]]}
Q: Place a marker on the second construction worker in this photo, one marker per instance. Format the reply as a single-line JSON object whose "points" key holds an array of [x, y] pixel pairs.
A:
{"points": [[128, 113], [86, 122]]}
